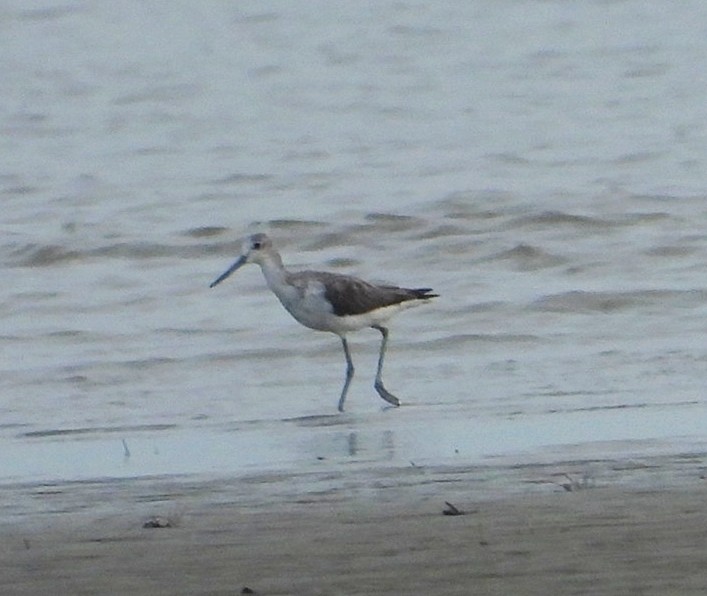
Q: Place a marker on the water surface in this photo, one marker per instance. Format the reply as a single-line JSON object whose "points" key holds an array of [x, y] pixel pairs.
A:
{"points": [[540, 165]]}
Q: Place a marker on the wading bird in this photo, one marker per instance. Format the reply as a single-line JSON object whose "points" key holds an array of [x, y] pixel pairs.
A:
{"points": [[330, 302]]}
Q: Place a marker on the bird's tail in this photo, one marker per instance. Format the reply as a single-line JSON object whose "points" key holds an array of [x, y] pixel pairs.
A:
{"points": [[423, 293]]}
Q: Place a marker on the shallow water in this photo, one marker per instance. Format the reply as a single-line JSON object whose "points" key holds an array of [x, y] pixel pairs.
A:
{"points": [[540, 165]]}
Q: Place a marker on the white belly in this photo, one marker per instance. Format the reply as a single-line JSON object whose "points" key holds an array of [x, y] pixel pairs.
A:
{"points": [[313, 315]]}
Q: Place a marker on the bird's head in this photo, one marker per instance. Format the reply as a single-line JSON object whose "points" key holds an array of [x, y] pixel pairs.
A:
{"points": [[254, 249]]}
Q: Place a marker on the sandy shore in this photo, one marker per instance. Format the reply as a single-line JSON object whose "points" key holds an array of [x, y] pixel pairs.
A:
{"points": [[633, 528]]}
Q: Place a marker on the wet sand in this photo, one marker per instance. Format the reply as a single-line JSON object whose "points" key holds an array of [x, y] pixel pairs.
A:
{"points": [[633, 527]]}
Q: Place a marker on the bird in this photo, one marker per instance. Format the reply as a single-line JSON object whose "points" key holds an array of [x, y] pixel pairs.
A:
{"points": [[331, 302]]}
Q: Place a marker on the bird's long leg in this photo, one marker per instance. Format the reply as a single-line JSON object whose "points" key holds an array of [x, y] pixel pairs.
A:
{"points": [[382, 391], [349, 373]]}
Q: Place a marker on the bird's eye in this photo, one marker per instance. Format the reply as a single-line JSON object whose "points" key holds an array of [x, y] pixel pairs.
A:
{"points": [[256, 245]]}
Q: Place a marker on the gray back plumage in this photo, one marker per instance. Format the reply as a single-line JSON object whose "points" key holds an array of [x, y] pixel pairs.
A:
{"points": [[352, 296]]}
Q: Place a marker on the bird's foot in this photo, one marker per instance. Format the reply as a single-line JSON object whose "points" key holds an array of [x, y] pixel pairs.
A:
{"points": [[386, 395]]}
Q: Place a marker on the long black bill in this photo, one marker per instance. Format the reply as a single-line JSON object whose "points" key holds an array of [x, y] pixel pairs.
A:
{"points": [[241, 261]]}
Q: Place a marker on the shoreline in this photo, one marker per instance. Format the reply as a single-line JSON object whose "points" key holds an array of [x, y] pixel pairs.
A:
{"points": [[574, 527]]}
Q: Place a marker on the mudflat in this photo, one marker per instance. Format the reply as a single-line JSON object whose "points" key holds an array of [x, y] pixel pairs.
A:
{"points": [[381, 533]]}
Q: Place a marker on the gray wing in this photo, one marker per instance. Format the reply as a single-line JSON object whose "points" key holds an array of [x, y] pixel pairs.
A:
{"points": [[352, 296]]}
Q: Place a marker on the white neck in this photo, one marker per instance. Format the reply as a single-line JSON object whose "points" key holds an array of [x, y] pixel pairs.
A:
{"points": [[274, 272]]}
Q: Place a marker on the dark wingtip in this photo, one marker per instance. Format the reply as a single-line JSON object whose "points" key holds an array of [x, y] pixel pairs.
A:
{"points": [[423, 293]]}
